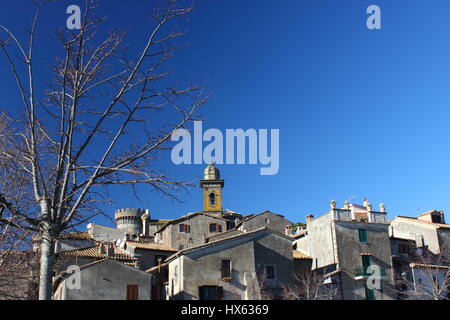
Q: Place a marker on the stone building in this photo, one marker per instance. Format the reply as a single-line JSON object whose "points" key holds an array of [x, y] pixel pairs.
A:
{"points": [[215, 253], [346, 242], [268, 219], [421, 255], [428, 231], [104, 279], [232, 268], [190, 230]]}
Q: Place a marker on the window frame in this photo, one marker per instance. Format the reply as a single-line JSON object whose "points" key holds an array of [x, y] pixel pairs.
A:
{"points": [[225, 276], [363, 236], [274, 272], [184, 228]]}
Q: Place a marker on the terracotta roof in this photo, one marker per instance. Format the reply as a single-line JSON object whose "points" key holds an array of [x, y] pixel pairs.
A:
{"points": [[430, 212], [67, 236], [300, 255], [421, 265], [150, 246], [94, 252], [437, 225], [75, 236]]}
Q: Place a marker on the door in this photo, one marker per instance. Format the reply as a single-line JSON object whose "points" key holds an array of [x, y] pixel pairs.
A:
{"points": [[210, 293]]}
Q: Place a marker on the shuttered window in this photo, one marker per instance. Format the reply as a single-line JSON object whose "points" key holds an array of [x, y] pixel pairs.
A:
{"points": [[132, 292], [184, 228], [215, 227], [362, 235], [365, 262]]}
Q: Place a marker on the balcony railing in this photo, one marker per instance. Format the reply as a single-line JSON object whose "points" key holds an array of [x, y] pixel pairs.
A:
{"points": [[363, 273]]}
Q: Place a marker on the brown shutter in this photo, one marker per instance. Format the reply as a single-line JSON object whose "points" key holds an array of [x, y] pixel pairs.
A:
{"points": [[132, 292]]}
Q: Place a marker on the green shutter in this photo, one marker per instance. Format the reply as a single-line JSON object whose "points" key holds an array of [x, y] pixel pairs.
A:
{"points": [[370, 294], [365, 262], [362, 235]]}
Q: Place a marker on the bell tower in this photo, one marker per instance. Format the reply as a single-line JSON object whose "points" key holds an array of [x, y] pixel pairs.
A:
{"points": [[212, 190]]}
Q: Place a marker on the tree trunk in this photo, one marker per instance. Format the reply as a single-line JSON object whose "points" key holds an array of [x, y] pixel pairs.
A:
{"points": [[47, 261]]}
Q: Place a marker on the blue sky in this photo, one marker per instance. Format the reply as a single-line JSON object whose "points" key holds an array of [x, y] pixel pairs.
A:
{"points": [[361, 113]]}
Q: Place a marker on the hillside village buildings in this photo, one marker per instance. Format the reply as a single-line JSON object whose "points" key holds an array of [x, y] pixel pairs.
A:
{"points": [[354, 251]]}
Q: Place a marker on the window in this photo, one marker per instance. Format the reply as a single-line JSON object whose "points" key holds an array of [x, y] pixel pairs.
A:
{"points": [[270, 272], [226, 268], [362, 235], [132, 292], [184, 228], [365, 262], [267, 221], [212, 199], [215, 227]]}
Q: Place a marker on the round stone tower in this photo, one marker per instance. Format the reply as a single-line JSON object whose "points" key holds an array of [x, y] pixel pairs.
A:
{"points": [[130, 220]]}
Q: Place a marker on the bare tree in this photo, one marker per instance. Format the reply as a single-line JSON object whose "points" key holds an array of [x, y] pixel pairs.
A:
{"points": [[424, 275], [103, 121], [309, 285], [16, 263]]}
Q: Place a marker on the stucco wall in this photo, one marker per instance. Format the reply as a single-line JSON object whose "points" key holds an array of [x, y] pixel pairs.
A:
{"points": [[199, 231], [248, 257], [266, 219], [414, 230], [108, 281], [350, 251]]}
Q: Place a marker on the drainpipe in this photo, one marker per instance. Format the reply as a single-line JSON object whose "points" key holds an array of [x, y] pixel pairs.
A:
{"points": [[414, 279]]}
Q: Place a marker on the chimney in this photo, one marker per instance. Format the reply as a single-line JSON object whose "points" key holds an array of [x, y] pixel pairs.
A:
{"points": [[346, 205], [109, 250], [287, 230], [101, 249], [366, 203], [382, 207], [144, 218], [332, 204], [309, 218]]}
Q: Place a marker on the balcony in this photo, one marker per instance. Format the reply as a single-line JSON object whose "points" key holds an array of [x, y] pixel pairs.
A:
{"points": [[362, 273]]}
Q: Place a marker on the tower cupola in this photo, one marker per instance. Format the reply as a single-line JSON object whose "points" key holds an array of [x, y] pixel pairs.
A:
{"points": [[212, 190]]}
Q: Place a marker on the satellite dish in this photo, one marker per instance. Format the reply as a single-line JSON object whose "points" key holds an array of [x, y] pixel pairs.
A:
{"points": [[89, 226], [145, 216]]}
